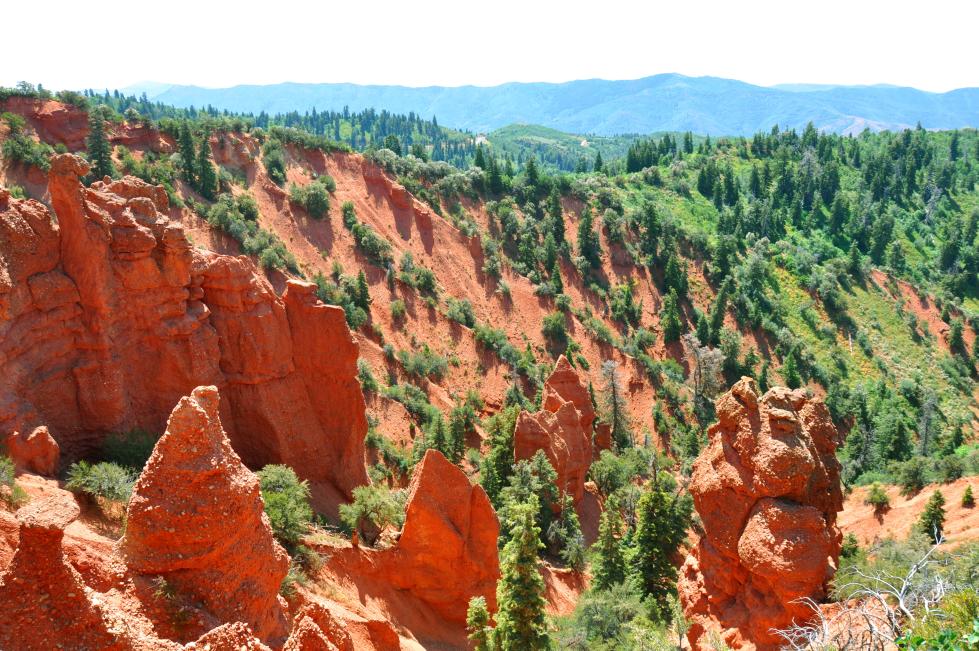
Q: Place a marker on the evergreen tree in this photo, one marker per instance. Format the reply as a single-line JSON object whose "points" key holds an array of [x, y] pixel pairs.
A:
{"points": [[675, 276], [498, 466], [458, 426], [589, 246], [968, 500], [703, 329], [188, 159], [556, 281], [207, 178], [599, 163], [616, 412], [97, 144], [556, 213], [494, 177], [661, 527], [790, 372], [478, 625], [669, 318], [650, 224], [608, 568], [521, 623], [932, 520], [480, 160], [362, 297]]}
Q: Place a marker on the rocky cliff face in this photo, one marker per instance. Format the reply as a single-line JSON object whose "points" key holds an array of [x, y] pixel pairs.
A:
{"points": [[562, 429], [108, 316], [767, 488]]}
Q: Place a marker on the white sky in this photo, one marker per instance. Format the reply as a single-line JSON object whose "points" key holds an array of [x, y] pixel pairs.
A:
{"points": [[932, 45]]}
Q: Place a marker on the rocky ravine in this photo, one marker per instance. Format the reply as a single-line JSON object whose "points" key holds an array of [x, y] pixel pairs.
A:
{"points": [[108, 315]]}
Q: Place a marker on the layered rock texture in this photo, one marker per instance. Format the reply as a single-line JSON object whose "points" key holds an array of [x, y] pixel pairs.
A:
{"points": [[446, 554], [108, 316], [44, 602], [562, 429], [196, 518], [767, 488]]}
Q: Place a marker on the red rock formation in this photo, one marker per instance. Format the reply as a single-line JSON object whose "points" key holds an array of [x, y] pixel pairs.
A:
{"points": [[196, 518], [562, 429], [36, 452], [767, 488], [108, 316], [234, 635], [45, 605], [446, 554], [53, 122], [316, 629]]}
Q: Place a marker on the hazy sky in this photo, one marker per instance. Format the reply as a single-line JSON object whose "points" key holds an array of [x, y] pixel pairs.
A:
{"points": [[930, 45]]}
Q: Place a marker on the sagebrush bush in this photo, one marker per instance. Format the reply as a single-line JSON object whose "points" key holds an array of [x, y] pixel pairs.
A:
{"points": [[286, 503], [104, 480]]}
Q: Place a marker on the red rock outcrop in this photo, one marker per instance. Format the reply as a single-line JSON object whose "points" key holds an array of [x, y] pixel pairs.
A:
{"points": [[446, 554], [234, 635], [54, 122], [767, 488], [35, 452], [562, 429], [108, 316], [316, 629], [196, 518], [44, 602]]}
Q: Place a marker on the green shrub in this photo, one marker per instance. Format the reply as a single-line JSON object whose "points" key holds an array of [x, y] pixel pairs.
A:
{"points": [[314, 198], [101, 481], [14, 495], [349, 214], [554, 329], [286, 503], [393, 457], [877, 498], [398, 309], [275, 162], [367, 382], [423, 363], [374, 508], [272, 253], [461, 312]]}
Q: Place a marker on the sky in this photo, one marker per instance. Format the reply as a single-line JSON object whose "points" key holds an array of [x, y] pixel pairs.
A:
{"points": [[112, 44]]}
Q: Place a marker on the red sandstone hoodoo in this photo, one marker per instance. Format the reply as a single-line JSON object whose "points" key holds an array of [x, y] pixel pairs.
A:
{"points": [[767, 488]]}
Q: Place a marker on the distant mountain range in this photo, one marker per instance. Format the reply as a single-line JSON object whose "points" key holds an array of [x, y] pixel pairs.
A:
{"points": [[667, 102]]}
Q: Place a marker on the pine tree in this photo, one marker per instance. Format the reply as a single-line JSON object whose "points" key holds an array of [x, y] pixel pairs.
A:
{"points": [[675, 276], [790, 372], [616, 412], [480, 160], [609, 566], [207, 178], [556, 213], [478, 625], [589, 245], [703, 329], [661, 526], [458, 426], [188, 158], [556, 281], [439, 440], [498, 467], [97, 144], [363, 297], [599, 163], [669, 318], [932, 520], [968, 500], [521, 623]]}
